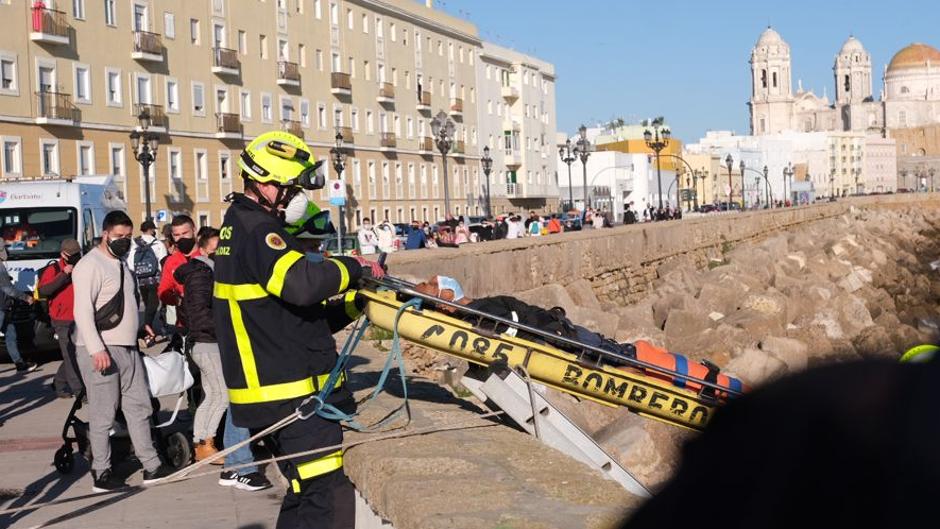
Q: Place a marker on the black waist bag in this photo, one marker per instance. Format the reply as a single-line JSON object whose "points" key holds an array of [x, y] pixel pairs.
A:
{"points": [[111, 313]]}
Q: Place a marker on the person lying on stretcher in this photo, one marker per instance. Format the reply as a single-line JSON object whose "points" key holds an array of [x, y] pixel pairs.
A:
{"points": [[555, 321]]}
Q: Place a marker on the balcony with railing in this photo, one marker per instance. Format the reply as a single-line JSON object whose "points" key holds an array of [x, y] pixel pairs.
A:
{"points": [[456, 107], [459, 149], [158, 118], [147, 47], [510, 93], [426, 145], [49, 26], [512, 159], [347, 133], [228, 126], [288, 74], [340, 84], [56, 109], [293, 126], [424, 101], [225, 61], [388, 141], [386, 93], [511, 124]]}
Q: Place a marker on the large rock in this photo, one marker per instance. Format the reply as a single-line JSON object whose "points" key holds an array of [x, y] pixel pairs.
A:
{"points": [[875, 342], [719, 298], [756, 367], [684, 327], [666, 304], [582, 294], [853, 314], [793, 353], [547, 297], [606, 323]]}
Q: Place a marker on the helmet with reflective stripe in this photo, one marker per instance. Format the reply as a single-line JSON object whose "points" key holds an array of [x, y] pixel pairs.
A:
{"points": [[280, 158]]}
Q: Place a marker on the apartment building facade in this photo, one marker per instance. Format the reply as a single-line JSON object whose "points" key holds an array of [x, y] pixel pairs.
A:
{"points": [[518, 123], [213, 74]]}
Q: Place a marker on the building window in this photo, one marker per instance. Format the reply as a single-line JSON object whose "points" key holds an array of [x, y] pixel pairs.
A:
{"points": [[112, 79], [194, 31], [202, 176], [354, 118], [267, 114], [394, 32], [86, 158], [172, 95], [199, 99], [78, 9], [338, 117], [317, 9], [263, 46], [336, 64], [287, 109], [82, 84], [8, 82], [334, 14], [242, 42], [350, 23], [12, 157], [305, 112], [352, 68], [365, 23], [169, 25], [173, 167], [302, 55], [117, 168], [321, 116], [245, 105], [320, 60], [49, 157], [109, 14], [143, 89]]}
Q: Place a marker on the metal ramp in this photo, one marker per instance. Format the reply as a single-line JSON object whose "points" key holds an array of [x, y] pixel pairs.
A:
{"points": [[511, 393]]}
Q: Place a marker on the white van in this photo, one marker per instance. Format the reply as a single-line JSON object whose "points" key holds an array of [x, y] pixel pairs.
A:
{"points": [[36, 215]]}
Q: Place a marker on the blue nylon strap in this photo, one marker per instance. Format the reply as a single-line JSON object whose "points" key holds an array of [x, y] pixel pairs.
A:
{"points": [[682, 367], [735, 384]]}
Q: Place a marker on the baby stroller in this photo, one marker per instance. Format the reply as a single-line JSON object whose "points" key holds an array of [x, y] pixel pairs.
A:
{"points": [[168, 374]]}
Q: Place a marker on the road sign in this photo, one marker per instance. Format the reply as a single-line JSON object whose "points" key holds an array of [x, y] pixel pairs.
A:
{"points": [[161, 215], [337, 193]]}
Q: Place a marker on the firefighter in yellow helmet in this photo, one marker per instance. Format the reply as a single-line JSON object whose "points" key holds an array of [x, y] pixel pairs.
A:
{"points": [[275, 314]]}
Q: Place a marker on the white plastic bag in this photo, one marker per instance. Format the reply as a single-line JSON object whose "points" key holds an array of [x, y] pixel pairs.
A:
{"points": [[168, 374]]}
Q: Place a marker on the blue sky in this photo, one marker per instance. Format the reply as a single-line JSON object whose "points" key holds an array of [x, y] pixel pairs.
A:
{"points": [[688, 59]]}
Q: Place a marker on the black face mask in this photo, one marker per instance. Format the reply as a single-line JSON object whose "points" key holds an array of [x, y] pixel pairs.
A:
{"points": [[119, 247], [186, 245], [73, 259]]}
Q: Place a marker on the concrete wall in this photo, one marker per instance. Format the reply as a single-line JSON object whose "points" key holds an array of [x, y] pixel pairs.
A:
{"points": [[620, 262]]}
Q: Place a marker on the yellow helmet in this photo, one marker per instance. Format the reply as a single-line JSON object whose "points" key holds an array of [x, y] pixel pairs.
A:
{"points": [[281, 158]]}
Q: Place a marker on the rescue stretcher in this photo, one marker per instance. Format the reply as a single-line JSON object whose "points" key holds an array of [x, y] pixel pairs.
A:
{"points": [[597, 374]]}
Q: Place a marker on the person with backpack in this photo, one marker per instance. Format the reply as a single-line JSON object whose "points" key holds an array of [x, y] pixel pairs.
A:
{"points": [[55, 285], [9, 294], [147, 253]]}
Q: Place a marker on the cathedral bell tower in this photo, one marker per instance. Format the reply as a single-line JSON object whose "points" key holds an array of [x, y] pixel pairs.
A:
{"points": [[771, 102]]}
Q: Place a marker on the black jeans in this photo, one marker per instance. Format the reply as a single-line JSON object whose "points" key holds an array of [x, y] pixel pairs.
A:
{"points": [[67, 378], [148, 296]]}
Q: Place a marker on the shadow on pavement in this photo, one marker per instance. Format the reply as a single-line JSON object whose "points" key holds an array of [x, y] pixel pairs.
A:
{"points": [[40, 491], [25, 397]]}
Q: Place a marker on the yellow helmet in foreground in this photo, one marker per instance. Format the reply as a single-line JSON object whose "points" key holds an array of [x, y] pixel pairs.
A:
{"points": [[282, 159]]}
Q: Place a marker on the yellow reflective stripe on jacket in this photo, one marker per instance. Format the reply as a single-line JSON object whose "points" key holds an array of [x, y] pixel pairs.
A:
{"points": [[243, 292], [281, 266], [349, 300], [284, 391], [244, 345], [317, 467], [343, 273]]}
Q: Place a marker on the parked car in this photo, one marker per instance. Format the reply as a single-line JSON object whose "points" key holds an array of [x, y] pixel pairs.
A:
{"points": [[708, 208], [723, 206], [571, 222], [329, 245]]}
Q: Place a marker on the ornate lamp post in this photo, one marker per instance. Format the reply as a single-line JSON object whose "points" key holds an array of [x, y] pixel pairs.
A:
{"points": [[657, 139], [931, 172], [338, 157], [832, 185], [442, 128], [767, 187], [729, 162], [583, 150], [569, 155], [787, 182], [742, 166], [487, 162], [144, 144]]}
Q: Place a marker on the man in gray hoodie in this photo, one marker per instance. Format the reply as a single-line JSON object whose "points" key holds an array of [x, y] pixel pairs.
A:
{"points": [[8, 296]]}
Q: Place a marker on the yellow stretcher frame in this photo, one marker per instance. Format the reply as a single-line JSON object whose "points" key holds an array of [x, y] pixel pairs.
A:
{"points": [[546, 364]]}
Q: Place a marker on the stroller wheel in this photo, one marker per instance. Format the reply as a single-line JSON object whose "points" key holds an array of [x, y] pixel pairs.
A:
{"points": [[64, 460], [179, 450]]}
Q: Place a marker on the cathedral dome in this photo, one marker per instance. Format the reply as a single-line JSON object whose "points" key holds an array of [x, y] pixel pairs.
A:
{"points": [[770, 37], [916, 55], [852, 45]]}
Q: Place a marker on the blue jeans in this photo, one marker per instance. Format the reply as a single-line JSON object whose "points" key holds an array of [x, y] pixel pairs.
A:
{"points": [[232, 436], [9, 335]]}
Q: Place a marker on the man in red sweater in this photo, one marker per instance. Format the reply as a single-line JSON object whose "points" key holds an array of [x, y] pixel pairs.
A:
{"points": [[184, 236], [55, 284]]}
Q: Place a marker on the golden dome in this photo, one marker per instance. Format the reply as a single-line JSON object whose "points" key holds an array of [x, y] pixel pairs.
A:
{"points": [[915, 56]]}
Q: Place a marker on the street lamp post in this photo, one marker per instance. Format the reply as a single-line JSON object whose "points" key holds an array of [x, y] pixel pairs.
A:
{"points": [[767, 187], [742, 166], [931, 172], [487, 163], [729, 161], [787, 176], [144, 144], [568, 156], [657, 139], [338, 156], [832, 185], [584, 151], [442, 127], [696, 176]]}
